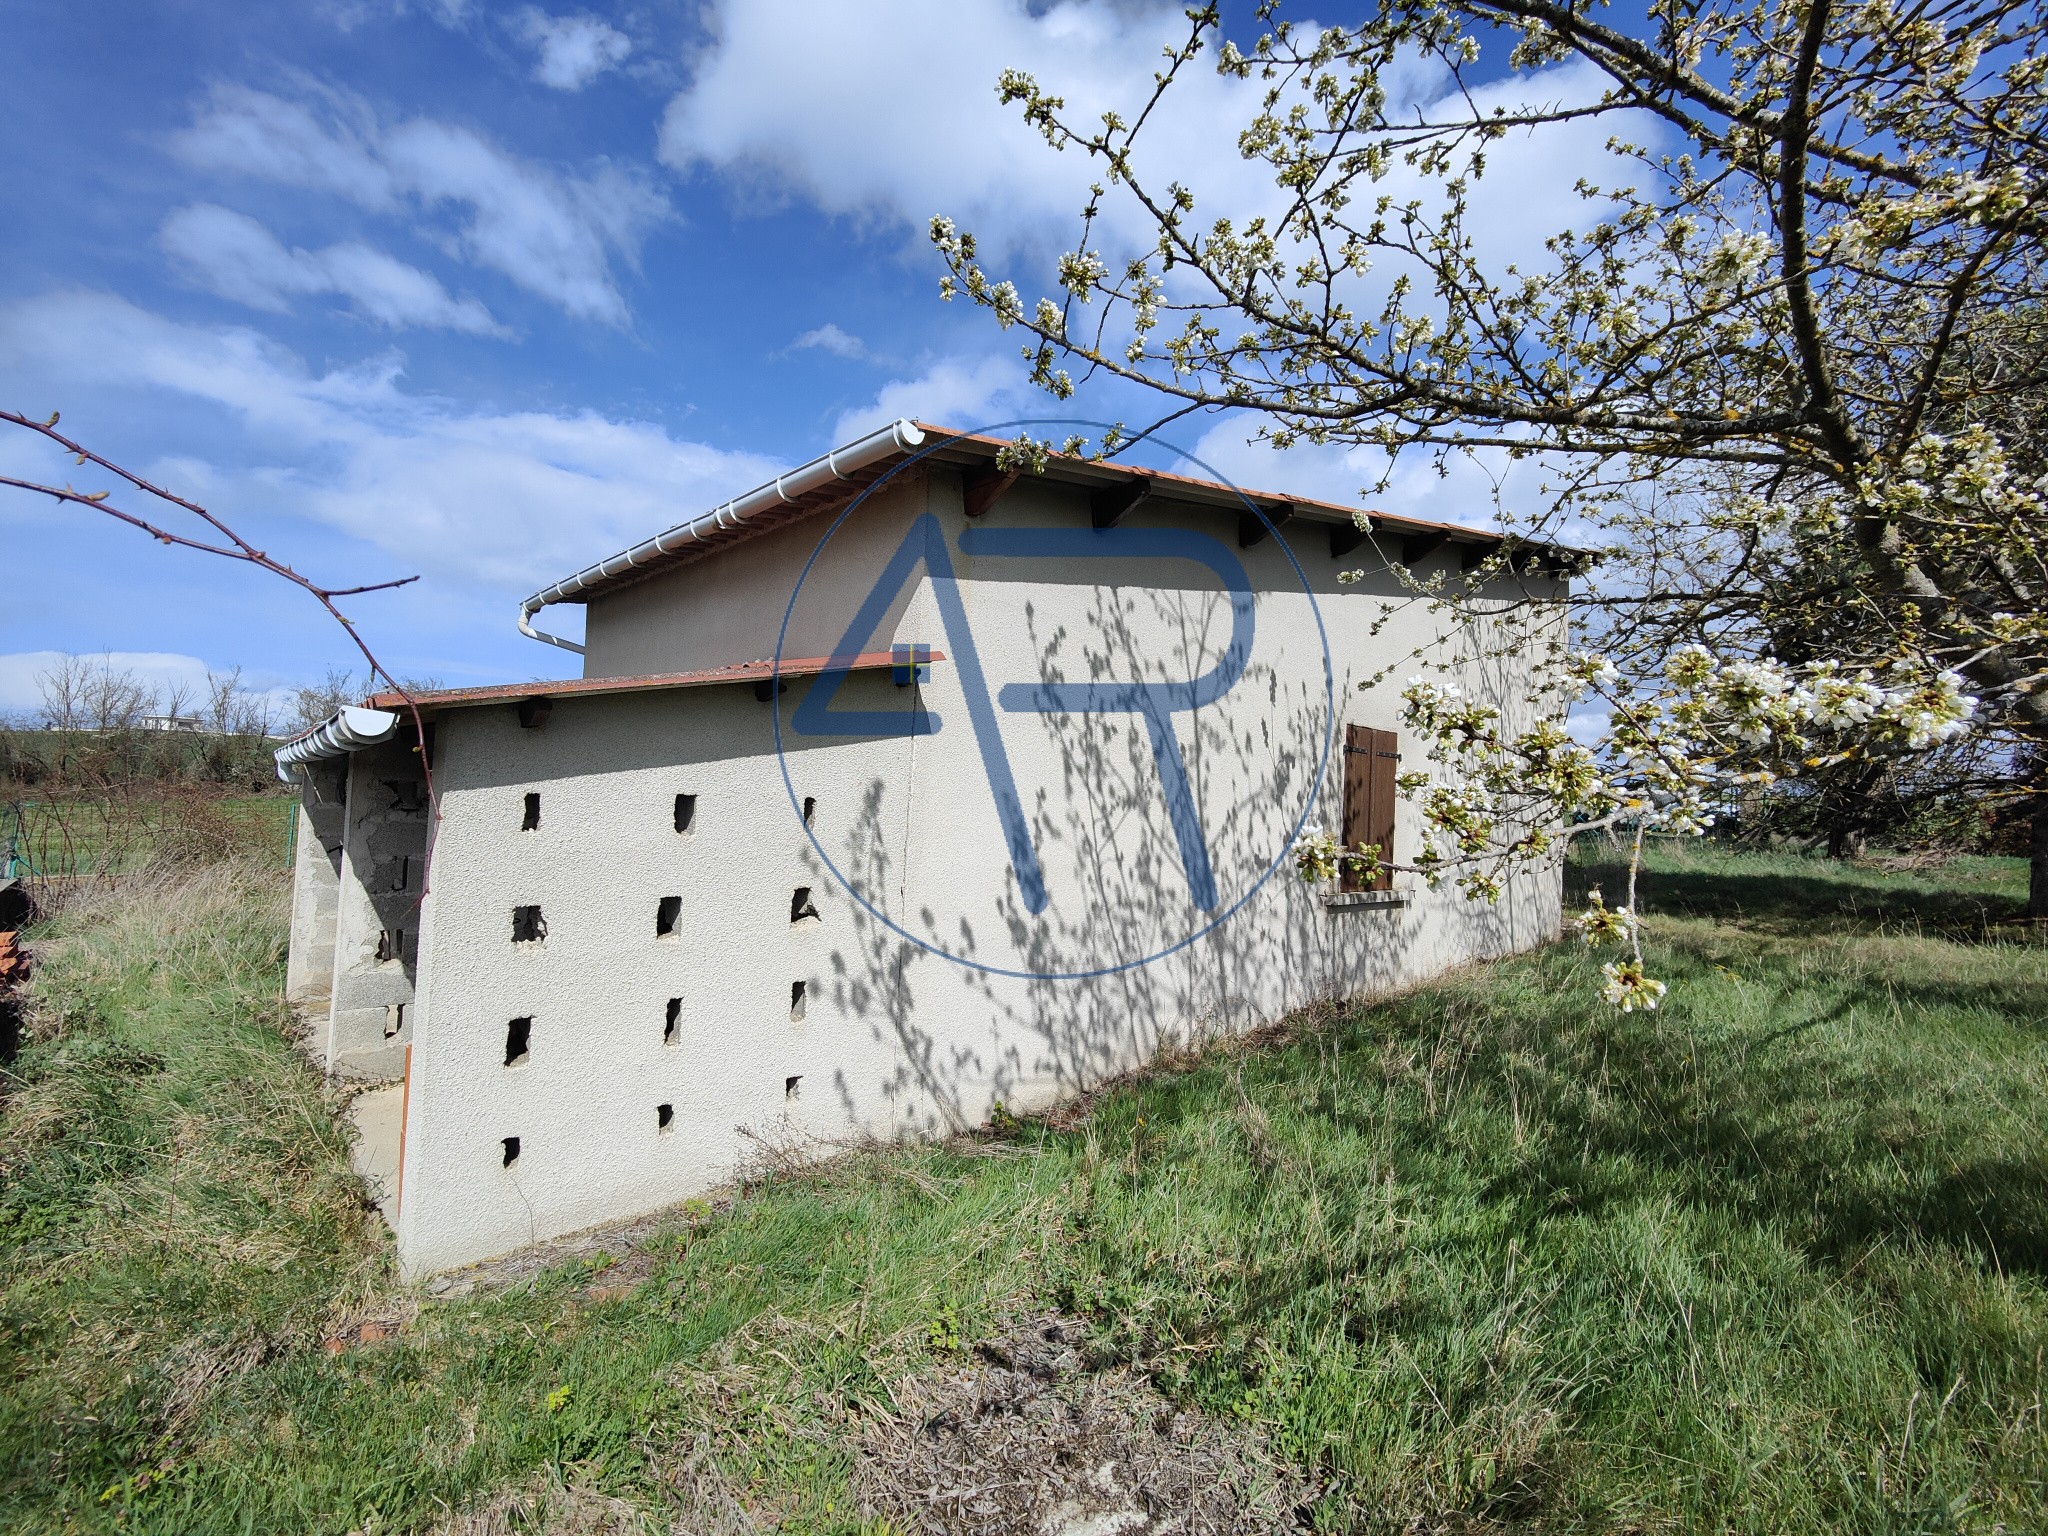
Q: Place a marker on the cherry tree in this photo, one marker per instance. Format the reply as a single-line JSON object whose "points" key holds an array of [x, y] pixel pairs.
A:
{"points": [[1780, 368]]}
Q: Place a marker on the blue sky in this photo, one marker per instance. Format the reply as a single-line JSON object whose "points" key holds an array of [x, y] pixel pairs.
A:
{"points": [[486, 292]]}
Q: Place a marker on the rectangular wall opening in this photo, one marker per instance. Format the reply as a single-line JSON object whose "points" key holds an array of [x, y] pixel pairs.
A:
{"points": [[530, 822], [401, 874], [668, 912], [528, 926], [511, 1146], [797, 989], [390, 945], [686, 813], [394, 1019], [672, 1026], [664, 1119], [789, 1085], [801, 906], [518, 1040], [810, 808]]}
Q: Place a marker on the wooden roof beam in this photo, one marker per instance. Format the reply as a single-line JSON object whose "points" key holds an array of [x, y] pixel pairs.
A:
{"points": [[981, 489], [1109, 505], [1418, 547], [1252, 529]]}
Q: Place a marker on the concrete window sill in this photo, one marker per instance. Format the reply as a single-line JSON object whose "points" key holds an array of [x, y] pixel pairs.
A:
{"points": [[1361, 901]]}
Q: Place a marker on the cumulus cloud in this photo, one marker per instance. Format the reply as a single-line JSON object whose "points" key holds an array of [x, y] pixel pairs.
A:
{"points": [[954, 392], [22, 674], [830, 338], [508, 499], [1469, 489], [572, 50], [234, 256], [553, 233], [822, 102]]}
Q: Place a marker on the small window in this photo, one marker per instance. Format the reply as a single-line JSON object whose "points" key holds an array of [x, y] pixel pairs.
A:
{"points": [[518, 1038], [530, 822], [686, 813], [664, 1119], [390, 945], [668, 912], [511, 1146], [800, 904], [528, 926], [797, 991], [672, 1027]]}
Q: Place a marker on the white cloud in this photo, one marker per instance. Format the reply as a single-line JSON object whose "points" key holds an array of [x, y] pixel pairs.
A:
{"points": [[954, 392], [836, 105], [510, 499], [830, 338], [895, 116], [1469, 490], [553, 233], [21, 675], [234, 256], [573, 50]]}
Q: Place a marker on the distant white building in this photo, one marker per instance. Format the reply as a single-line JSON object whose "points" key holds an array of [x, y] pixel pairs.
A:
{"points": [[1013, 813], [191, 724]]}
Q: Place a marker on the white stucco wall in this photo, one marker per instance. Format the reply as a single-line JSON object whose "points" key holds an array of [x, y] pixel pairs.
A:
{"points": [[896, 1040]]}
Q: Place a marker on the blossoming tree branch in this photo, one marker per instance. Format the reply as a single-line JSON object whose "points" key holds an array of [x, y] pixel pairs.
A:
{"points": [[1781, 369]]}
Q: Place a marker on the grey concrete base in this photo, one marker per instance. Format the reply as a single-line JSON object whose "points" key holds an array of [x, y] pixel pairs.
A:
{"points": [[378, 1117]]}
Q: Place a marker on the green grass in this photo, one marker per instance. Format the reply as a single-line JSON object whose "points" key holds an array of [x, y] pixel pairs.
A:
{"points": [[1774, 1259]]}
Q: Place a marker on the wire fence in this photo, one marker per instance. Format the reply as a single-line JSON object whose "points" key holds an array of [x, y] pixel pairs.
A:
{"points": [[57, 841]]}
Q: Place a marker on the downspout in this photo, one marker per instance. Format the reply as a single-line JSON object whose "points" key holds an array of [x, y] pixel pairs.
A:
{"points": [[839, 464]]}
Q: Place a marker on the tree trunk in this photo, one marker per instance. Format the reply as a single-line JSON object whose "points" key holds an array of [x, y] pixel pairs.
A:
{"points": [[1845, 841]]}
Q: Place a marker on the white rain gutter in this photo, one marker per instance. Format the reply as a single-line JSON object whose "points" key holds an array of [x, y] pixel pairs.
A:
{"points": [[839, 464], [345, 730]]}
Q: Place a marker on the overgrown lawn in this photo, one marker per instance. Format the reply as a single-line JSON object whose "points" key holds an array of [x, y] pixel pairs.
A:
{"points": [[1769, 1260]]}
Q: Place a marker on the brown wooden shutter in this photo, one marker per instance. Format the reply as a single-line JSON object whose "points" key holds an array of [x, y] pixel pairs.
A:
{"points": [[1371, 761]]}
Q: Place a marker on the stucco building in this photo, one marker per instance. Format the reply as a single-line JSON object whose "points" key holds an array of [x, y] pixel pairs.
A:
{"points": [[900, 787]]}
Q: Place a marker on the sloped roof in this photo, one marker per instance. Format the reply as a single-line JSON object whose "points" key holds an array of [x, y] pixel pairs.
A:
{"points": [[722, 528]]}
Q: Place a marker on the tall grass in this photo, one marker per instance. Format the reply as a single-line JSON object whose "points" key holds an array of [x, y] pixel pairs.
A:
{"points": [[1774, 1259], [175, 1204]]}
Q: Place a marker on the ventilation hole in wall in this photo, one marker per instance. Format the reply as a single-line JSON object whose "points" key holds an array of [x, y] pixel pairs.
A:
{"points": [[401, 873], [530, 822], [511, 1145], [518, 1037], [810, 808], [789, 1085], [394, 1019], [672, 1027], [686, 812], [667, 913], [664, 1118], [528, 926], [797, 989], [800, 904], [390, 945]]}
